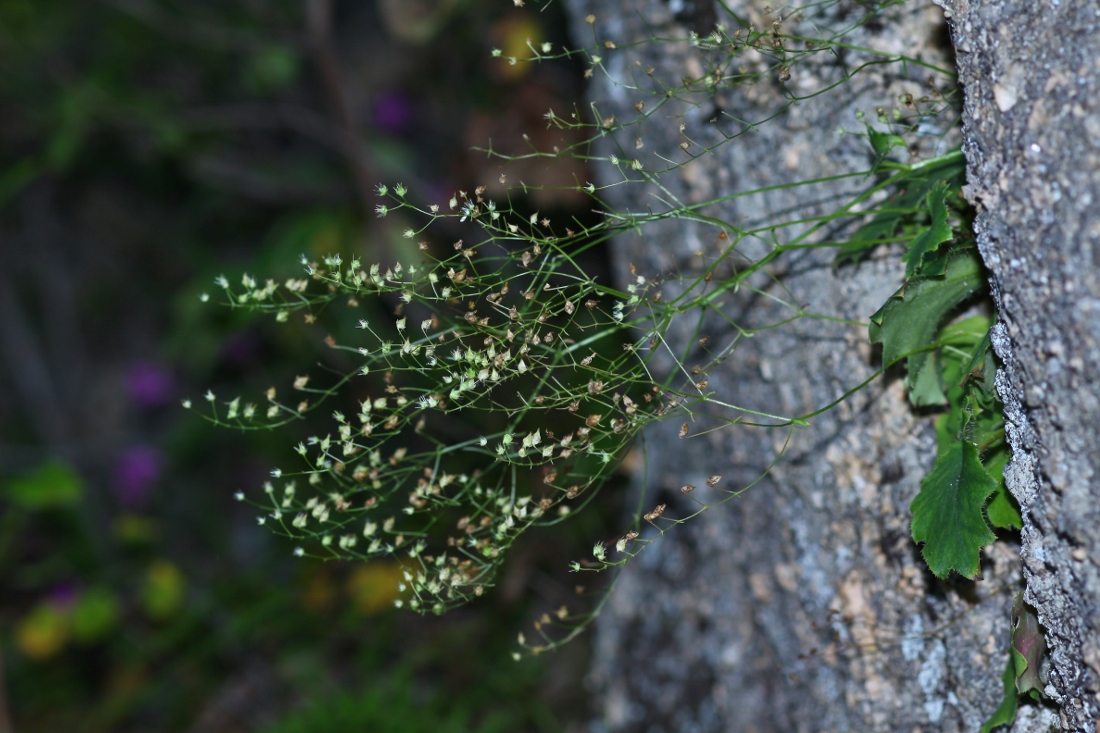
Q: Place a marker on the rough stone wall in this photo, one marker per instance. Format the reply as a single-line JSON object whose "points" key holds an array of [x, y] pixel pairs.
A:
{"points": [[802, 605], [1031, 72]]}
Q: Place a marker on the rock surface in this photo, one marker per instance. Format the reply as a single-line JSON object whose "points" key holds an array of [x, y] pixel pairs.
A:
{"points": [[1031, 72], [802, 604]]}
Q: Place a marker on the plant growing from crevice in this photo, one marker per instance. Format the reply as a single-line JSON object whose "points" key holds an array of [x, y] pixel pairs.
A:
{"points": [[503, 384]]}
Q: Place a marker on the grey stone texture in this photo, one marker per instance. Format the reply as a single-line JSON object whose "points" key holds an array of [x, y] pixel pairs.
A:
{"points": [[802, 604], [1031, 72]]}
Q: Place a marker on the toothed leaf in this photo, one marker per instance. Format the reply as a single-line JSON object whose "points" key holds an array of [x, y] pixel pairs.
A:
{"points": [[947, 513], [921, 258], [910, 319]]}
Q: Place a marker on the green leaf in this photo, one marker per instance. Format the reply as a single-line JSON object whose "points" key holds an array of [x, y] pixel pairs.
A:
{"points": [[947, 513], [1005, 714], [52, 484], [912, 186], [164, 590], [1002, 510], [979, 366], [882, 143], [926, 388], [919, 260], [908, 322], [95, 615], [1029, 646]]}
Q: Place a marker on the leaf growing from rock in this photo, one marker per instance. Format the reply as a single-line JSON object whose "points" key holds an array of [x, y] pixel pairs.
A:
{"points": [[947, 513]]}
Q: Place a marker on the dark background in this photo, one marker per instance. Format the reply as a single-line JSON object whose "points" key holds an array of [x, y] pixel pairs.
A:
{"points": [[146, 147]]}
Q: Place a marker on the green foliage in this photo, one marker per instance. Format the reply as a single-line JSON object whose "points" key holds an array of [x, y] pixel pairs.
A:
{"points": [[908, 323], [921, 259], [1005, 714], [502, 366], [947, 513], [489, 368], [950, 365], [52, 484], [909, 186], [1027, 648]]}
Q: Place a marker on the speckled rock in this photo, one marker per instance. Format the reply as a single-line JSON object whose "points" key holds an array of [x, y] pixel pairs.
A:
{"points": [[802, 604], [1031, 72]]}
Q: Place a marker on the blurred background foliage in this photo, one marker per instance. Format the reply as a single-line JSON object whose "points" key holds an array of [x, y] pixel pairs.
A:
{"points": [[147, 146]]}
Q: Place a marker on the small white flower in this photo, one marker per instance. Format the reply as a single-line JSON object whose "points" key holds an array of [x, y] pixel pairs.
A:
{"points": [[298, 552], [277, 472], [382, 189], [239, 496], [186, 404]]}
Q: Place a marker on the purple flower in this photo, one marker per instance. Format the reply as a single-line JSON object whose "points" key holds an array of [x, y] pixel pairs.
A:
{"points": [[149, 384], [392, 112], [136, 472], [63, 595]]}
